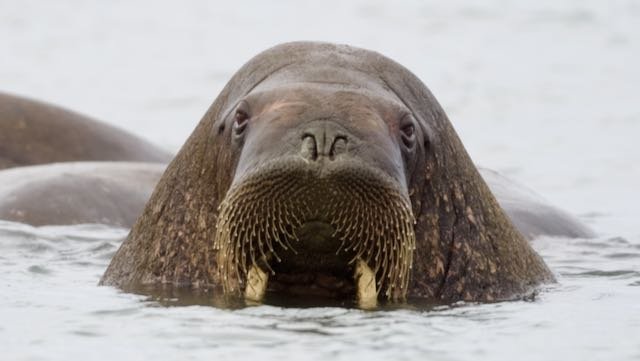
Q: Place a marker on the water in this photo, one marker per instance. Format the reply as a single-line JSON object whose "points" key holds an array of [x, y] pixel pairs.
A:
{"points": [[52, 309], [544, 91]]}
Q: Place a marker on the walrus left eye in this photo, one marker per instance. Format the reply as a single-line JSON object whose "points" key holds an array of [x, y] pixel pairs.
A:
{"points": [[408, 135]]}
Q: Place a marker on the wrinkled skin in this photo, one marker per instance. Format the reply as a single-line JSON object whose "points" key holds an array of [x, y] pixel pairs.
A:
{"points": [[333, 121]]}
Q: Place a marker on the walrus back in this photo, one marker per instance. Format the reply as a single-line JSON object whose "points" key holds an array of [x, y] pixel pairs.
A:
{"points": [[32, 132]]}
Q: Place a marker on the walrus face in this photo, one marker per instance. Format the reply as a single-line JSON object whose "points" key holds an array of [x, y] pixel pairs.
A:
{"points": [[319, 202]]}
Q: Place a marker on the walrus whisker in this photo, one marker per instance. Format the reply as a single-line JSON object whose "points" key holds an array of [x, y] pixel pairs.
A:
{"points": [[361, 223]]}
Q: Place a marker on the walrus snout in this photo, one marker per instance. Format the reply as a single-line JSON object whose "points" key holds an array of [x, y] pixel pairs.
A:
{"points": [[298, 227], [323, 140]]}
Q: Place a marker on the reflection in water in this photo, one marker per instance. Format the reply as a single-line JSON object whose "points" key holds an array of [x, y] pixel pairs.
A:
{"points": [[169, 296]]}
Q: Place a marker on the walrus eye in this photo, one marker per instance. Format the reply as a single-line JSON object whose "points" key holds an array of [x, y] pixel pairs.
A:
{"points": [[240, 120], [408, 135]]}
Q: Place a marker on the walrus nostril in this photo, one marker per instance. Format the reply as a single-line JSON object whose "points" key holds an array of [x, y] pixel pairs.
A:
{"points": [[322, 141], [309, 148], [339, 146]]}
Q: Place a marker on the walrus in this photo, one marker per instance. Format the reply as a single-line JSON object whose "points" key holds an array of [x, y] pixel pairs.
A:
{"points": [[327, 171], [111, 193], [33, 132], [529, 212]]}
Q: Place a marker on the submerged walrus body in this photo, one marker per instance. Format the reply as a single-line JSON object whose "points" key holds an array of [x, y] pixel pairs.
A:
{"points": [[33, 132], [327, 171], [112, 193], [531, 214]]}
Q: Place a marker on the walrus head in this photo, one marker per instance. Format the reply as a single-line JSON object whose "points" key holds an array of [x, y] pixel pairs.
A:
{"points": [[320, 186], [331, 171]]}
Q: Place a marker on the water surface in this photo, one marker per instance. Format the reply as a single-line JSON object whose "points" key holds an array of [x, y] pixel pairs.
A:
{"points": [[52, 309]]}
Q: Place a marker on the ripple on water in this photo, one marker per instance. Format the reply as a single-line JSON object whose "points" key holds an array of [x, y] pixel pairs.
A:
{"points": [[611, 242], [39, 270], [619, 274], [105, 250], [623, 255], [117, 312], [85, 333], [35, 246], [614, 258]]}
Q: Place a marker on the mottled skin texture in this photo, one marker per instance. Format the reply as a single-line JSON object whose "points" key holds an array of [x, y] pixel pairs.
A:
{"points": [[112, 193], [466, 247], [33, 132]]}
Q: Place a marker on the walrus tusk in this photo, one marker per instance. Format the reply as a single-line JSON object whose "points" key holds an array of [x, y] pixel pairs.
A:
{"points": [[365, 280], [257, 281]]}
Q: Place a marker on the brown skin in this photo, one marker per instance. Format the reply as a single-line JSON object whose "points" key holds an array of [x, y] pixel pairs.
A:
{"points": [[112, 193], [397, 134], [33, 132]]}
